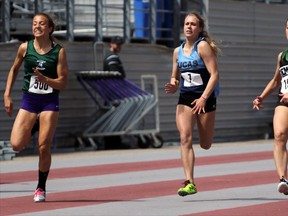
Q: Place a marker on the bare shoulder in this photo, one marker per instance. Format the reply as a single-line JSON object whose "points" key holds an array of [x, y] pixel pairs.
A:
{"points": [[203, 45], [279, 57], [62, 50], [23, 45], [204, 49], [62, 54], [175, 52], [23, 48]]}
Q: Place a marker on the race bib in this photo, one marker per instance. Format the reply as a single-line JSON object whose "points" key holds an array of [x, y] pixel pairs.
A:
{"points": [[284, 85], [191, 79], [39, 87], [284, 81]]}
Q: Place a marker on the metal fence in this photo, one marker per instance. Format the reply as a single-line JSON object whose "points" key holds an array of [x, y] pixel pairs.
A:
{"points": [[136, 20], [151, 21]]}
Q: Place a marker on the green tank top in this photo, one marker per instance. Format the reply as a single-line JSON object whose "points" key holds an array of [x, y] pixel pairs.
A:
{"points": [[284, 72], [284, 58], [46, 64]]}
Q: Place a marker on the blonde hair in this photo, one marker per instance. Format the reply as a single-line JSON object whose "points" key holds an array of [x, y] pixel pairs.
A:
{"points": [[204, 33]]}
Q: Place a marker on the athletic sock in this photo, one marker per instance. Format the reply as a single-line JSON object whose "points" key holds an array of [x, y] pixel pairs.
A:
{"points": [[42, 178]]}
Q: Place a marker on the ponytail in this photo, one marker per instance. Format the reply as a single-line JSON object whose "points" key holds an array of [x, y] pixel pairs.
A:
{"points": [[204, 33]]}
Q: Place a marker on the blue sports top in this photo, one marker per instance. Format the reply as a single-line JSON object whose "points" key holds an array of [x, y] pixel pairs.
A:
{"points": [[194, 74]]}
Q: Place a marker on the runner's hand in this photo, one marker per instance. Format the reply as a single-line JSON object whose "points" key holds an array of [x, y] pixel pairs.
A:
{"points": [[8, 103], [257, 103], [40, 76], [199, 106], [284, 98]]}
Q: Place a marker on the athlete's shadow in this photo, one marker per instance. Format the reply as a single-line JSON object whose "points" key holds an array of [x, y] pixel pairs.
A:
{"points": [[91, 201], [239, 199]]}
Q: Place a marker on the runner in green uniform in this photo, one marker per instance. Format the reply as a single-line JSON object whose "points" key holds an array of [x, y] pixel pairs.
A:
{"points": [[45, 73], [280, 120]]}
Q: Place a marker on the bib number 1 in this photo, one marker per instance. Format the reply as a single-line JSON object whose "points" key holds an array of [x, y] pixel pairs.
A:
{"points": [[191, 79], [39, 87], [284, 85]]}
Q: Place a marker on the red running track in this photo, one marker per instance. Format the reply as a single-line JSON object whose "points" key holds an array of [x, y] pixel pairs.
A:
{"points": [[62, 200]]}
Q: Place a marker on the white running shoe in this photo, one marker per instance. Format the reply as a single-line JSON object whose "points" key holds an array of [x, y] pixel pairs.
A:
{"points": [[39, 195], [283, 186]]}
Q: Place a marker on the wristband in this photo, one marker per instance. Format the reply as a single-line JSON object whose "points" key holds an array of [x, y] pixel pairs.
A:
{"points": [[203, 98]]}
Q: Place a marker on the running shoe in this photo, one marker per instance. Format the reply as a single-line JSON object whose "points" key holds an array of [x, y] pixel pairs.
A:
{"points": [[188, 189], [283, 186], [39, 195]]}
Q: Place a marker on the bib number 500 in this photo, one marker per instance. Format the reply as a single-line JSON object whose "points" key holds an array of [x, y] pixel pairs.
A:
{"points": [[39, 87]]}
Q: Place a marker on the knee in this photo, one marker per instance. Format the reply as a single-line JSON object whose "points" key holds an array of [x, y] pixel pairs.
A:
{"points": [[206, 146], [16, 146], [205, 142], [280, 136], [186, 140], [44, 148]]}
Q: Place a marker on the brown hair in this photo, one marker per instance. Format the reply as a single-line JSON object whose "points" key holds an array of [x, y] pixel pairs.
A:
{"points": [[51, 23], [204, 33]]}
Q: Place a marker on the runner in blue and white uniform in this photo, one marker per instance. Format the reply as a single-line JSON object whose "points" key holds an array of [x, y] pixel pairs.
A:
{"points": [[195, 72]]}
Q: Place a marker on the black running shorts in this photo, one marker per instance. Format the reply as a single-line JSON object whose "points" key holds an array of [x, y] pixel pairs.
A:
{"points": [[188, 98]]}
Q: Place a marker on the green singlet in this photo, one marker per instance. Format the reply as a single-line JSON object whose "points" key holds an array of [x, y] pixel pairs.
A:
{"points": [[46, 64]]}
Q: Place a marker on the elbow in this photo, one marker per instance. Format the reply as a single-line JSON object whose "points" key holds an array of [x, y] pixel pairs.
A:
{"points": [[63, 83], [63, 86], [59, 86], [217, 77]]}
